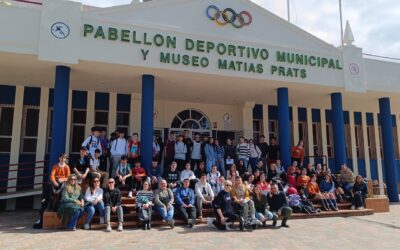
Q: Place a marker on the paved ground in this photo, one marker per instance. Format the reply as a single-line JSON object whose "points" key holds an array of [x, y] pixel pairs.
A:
{"points": [[379, 231]]}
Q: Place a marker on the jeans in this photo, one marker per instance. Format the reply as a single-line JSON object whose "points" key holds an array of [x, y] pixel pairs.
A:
{"points": [[199, 203], [348, 187], [194, 163], [286, 212], [74, 219], [188, 213], [165, 215], [253, 163], [90, 209], [115, 161], [264, 216], [358, 200], [119, 211], [221, 166], [247, 207], [209, 164]]}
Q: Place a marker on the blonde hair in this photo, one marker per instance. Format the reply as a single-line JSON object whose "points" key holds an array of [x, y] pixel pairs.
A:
{"points": [[227, 182], [75, 188]]}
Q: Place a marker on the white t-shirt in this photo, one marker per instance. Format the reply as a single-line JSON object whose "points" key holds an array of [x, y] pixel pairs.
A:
{"points": [[94, 163], [196, 151]]}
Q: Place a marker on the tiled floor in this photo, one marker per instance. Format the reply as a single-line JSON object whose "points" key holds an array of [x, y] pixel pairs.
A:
{"points": [[379, 231]]}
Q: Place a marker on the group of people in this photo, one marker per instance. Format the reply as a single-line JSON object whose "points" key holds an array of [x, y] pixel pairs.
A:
{"points": [[244, 182]]}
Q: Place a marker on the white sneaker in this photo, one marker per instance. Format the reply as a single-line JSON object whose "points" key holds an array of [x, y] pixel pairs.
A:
{"points": [[209, 221], [108, 228], [361, 208], [86, 226], [120, 228], [130, 195], [101, 220], [353, 207]]}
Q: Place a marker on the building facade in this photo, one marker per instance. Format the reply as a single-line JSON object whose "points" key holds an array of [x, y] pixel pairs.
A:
{"points": [[222, 68]]}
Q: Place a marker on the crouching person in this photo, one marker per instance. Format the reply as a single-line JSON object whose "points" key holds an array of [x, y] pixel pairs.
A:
{"points": [[185, 203], [223, 211], [94, 199], [112, 200], [278, 205], [260, 204], [164, 198]]}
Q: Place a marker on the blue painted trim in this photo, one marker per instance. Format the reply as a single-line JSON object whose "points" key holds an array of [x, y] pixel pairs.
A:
{"points": [[7, 94], [374, 169], [346, 117], [338, 131], [284, 126], [290, 114], [102, 101], [60, 111], [147, 122], [32, 96], [388, 149], [123, 102], [357, 118], [361, 167], [51, 97], [370, 119], [272, 112], [316, 115], [258, 111], [79, 99], [5, 161], [302, 114], [328, 116]]}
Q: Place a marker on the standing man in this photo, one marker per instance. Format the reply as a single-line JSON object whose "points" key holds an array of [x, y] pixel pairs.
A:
{"points": [[273, 151], [92, 142], [195, 156], [230, 154], [169, 150], [189, 144], [264, 148], [104, 143], [134, 149], [118, 148]]}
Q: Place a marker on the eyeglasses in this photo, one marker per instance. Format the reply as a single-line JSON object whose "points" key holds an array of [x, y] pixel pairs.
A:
{"points": [[72, 179], [96, 181]]}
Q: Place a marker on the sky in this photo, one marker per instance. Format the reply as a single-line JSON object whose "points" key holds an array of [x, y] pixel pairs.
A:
{"points": [[375, 23]]}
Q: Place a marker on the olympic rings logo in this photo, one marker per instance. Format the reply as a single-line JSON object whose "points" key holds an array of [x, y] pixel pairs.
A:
{"points": [[223, 17]]}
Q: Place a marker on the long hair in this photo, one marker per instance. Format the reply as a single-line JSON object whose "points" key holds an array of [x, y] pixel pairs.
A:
{"points": [[75, 188]]}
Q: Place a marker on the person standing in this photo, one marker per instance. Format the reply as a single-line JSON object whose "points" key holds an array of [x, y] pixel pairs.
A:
{"points": [[255, 154], [92, 142], [118, 148], [264, 148], [220, 157], [180, 153], [211, 156], [230, 155], [105, 154], [188, 143], [134, 149], [169, 150], [298, 153], [195, 156], [243, 151]]}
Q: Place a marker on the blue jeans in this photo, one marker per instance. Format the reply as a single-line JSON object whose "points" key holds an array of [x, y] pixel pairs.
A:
{"points": [[253, 163], [266, 216], [209, 164], [74, 219], [165, 215], [90, 209], [348, 187], [221, 167]]}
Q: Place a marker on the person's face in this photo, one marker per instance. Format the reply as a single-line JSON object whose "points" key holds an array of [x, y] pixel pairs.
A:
{"points": [[262, 139], [205, 138], [251, 178], [180, 138], [238, 181], [274, 189], [187, 166], [250, 141], [295, 164], [186, 183], [96, 182], [262, 177], [319, 167], [171, 137], [301, 144], [123, 162], [154, 164], [278, 162], [309, 166], [137, 164], [273, 141], [111, 184], [135, 137], [186, 133], [163, 184], [256, 174], [304, 171], [260, 164], [201, 166], [359, 179], [241, 140], [146, 186], [221, 179], [241, 163], [96, 155], [214, 169], [173, 166], [72, 180], [96, 133], [229, 142], [103, 133], [314, 179], [327, 178], [203, 179], [211, 140], [257, 190], [273, 167], [62, 159], [82, 153], [216, 142], [197, 137], [227, 187], [121, 135]]}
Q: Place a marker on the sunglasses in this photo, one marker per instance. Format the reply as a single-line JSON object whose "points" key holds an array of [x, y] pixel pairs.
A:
{"points": [[228, 185], [110, 182], [73, 179], [96, 181]]}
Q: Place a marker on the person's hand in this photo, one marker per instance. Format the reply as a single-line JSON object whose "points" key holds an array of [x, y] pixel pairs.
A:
{"points": [[96, 201], [78, 202], [114, 209], [145, 206], [55, 184]]}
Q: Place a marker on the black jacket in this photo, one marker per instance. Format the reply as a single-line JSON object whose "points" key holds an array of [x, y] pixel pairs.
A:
{"points": [[223, 201], [277, 201], [112, 198]]}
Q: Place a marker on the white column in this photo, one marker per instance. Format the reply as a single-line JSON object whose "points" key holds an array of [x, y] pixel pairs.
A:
{"points": [[324, 139], [365, 139], [112, 113], [310, 134], [90, 111], [378, 153], [353, 142], [295, 120], [69, 117], [135, 116], [247, 110], [16, 137], [266, 122], [42, 135]]}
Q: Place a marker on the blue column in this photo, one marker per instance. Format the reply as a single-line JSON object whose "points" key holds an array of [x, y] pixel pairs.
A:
{"points": [[60, 111], [339, 145], [147, 122], [284, 126], [388, 149]]}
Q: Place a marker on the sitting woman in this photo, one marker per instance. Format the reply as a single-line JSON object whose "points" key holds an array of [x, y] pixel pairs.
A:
{"points": [[327, 188], [263, 184], [272, 173], [260, 204], [232, 173], [241, 200], [250, 184], [144, 204], [94, 200], [243, 170], [72, 203], [213, 177], [359, 194], [201, 169]]}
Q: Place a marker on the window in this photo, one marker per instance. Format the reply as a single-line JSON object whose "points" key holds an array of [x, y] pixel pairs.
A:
{"points": [[347, 138], [191, 119], [371, 142], [29, 131], [6, 125], [273, 129], [49, 129], [317, 139], [123, 122], [101, 119], [77, 129], [359, 141], [303, 136], [329, 139], [257, 129]]}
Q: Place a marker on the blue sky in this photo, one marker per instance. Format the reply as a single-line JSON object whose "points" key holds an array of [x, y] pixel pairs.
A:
{"points": [[375, 23]]}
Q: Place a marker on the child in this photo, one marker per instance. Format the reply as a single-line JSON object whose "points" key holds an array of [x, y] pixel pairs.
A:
{"points": [[134, 149], [139, 175], [94, 168], [92, 142], [123, 175]]}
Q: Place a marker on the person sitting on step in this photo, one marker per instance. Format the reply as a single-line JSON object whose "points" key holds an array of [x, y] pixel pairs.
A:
{"points": [[204, 194], [58, 178], [163, 199], [123, 175], [94, 200], [359, 194], [185, 203], [95, 170], [242, 201], [144, 205]]}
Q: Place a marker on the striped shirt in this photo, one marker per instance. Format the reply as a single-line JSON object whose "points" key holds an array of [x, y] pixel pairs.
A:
{"points": [[144, 197], [243, 151]]}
